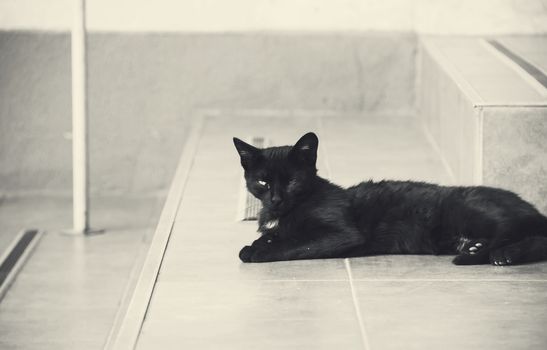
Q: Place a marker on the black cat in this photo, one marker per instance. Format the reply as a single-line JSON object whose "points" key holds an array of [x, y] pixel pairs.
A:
{"points": [[306, 217]]}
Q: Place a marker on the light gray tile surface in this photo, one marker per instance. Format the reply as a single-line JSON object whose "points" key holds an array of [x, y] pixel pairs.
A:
{"points": [[252, 314], [206, 298], [323, 333], [68, 293], [453, 314]]}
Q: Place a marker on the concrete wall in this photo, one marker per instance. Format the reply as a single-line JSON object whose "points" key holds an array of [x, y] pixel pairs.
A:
{"points": [[423, 16], [521, 164], [144, 89]]}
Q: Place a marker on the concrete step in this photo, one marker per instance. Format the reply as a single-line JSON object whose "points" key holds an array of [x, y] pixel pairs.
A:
{"points": [[485, 112]]}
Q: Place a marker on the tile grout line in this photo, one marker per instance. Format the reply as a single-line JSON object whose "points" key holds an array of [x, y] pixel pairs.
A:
{"points": [[364, 337], [362, 331]]}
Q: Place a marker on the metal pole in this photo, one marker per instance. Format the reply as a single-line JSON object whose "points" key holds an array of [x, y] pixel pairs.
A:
{"points": [[80, 163]]}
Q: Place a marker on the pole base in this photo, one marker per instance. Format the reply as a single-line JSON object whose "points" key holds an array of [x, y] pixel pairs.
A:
{"points": [[79, 233]]}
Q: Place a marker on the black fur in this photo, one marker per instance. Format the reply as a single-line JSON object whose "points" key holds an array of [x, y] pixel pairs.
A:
{"points": [[306, 217]]}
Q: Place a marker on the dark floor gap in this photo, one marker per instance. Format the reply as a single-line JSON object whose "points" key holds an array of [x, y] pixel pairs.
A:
{"points": [[15, 254]]}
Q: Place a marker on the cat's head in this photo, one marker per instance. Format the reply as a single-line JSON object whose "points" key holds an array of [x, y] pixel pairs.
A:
{"points": [[278, 176]]}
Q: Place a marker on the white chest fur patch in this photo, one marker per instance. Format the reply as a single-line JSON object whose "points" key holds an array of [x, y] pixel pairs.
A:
{"points": [[271, 224]]}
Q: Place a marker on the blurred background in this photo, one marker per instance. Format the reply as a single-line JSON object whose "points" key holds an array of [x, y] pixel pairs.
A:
{"points": [[151, 64]]}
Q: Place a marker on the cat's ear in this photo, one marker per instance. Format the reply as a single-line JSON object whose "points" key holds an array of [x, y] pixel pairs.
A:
{"points": [[247, 153], [305, 149]]}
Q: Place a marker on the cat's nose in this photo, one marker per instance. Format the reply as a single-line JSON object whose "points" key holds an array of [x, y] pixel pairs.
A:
{"points": [[276, 199]]}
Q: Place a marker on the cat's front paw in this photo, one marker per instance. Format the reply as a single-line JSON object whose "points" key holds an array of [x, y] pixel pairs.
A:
{"points": [[471, 246], [246, 253], [470, 259], [252, 254]]}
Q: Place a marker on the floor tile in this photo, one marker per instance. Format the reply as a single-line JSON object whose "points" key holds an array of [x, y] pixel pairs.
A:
{"points": [[453, 315], [252, 314], [280, 300], [68, 293], [251, 333]]}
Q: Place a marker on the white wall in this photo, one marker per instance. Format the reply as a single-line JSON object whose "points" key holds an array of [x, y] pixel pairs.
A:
{"points": [[424, 16]]}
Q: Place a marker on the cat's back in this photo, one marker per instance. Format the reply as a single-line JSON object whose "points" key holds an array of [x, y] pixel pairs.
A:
{"points": [[399, 216], [328, 195], [386, 195], [327, 203]]}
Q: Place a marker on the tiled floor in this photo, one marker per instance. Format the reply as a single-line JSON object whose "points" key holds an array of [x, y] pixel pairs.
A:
{"points": [[205, 298], [69, 291]]}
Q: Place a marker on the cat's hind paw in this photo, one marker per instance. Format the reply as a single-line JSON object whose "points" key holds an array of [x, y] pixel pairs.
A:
{"points": [[504, 256]]}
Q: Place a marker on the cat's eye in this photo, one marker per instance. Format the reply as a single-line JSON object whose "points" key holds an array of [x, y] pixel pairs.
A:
{"points": [[262, 183]]}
